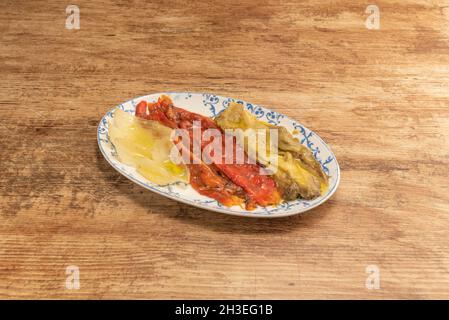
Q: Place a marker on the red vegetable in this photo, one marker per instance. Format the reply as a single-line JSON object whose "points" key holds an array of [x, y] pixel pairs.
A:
{"points": [[229, 184]]}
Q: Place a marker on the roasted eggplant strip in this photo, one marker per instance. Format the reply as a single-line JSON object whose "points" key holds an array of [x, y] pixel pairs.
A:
{"points": [[298, 174]]}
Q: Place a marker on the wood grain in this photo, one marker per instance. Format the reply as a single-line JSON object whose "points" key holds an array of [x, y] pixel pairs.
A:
{"points": [[380, 98]]}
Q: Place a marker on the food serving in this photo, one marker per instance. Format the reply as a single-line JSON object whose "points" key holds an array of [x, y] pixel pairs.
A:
{"points": [[233, 158]]}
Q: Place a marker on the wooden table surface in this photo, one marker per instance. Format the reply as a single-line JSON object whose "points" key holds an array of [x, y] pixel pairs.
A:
{"points": [[380, 98]]}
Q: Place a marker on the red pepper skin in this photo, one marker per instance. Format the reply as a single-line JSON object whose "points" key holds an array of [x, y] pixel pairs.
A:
{"points": [[141, 109], [226, 188], [203, 178]]}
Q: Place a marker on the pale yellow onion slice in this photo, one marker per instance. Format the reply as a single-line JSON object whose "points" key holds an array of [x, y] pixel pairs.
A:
{"points": [[145, 145]]}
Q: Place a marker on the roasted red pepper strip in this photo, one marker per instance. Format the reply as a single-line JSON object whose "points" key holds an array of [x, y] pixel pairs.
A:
{"points": [[261, 189], [206, 181], [203, 178]]}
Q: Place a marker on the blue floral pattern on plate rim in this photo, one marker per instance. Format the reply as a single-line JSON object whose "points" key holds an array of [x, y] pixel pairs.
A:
{"points": [[211, 105]]}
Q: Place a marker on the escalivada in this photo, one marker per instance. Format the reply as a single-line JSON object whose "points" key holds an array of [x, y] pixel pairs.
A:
{"points": [[224, 167]]}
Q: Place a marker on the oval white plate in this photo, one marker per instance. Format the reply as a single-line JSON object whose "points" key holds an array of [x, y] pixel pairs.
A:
{"points": [[210, 105]]}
